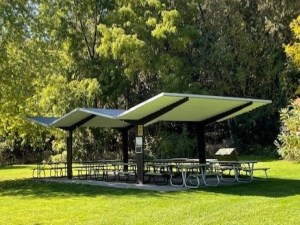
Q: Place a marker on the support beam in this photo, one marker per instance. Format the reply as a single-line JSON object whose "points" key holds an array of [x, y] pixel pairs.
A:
{"points": [[139, 151], [81, 122], [158, 113], [200, 129], [225, 114], [125, 147], [69, 153]]}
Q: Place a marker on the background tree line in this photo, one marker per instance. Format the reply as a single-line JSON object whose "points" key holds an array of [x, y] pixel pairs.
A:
{"points": [[56, 55]]}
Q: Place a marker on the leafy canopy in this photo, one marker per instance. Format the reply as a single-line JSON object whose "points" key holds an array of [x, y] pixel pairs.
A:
{"points": [[293, 50]]}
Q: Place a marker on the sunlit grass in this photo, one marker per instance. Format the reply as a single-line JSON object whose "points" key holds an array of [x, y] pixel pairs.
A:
{"points": [[276, 201]]}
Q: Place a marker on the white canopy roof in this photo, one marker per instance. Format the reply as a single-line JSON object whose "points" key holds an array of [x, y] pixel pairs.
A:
{"points": [[196, 108], [84, 117], [162, 107]]}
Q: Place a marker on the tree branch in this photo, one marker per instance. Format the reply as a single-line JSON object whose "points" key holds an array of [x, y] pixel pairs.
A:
{"points": [[85, 38]]}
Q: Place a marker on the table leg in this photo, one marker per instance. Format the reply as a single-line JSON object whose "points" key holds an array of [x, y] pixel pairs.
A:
{"points": [[183, 174]]}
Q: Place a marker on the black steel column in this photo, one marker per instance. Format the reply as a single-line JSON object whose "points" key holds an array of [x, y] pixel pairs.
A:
{"points": [[139, 151], [69, 153], [200, 129], [125, 147]]}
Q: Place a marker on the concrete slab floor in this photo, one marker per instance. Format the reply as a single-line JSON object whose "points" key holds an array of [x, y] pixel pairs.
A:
{"points": [[118, 184]]}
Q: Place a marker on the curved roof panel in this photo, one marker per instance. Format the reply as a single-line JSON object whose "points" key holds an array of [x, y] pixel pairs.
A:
{"points": [[198, 108], [45, 121], [162, 107], [86, 117]]}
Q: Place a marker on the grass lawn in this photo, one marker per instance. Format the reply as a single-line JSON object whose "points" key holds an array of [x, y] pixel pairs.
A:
{"points": [[276, 201]]}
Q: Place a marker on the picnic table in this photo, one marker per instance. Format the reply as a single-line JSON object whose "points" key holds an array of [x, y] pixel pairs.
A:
{"points": [[240, 168], [196, 172], [160, 172], [56, 169]]}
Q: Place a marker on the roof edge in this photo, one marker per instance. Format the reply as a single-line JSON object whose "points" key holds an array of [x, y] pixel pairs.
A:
{"points": [[140, 104], [32, 119], [216, 97]]}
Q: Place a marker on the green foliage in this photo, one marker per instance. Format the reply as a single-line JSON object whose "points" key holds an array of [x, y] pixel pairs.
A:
{"points": [[254, 133], [122, 47], [4, 154], [62, 157], [167, 26], [173, 144], [289, 137], [293, 50], [88, 146], [56, 95], [56, 55]]}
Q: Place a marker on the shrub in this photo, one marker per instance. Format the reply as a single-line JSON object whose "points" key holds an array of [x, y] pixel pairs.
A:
{"points": [[62, 157], [6, 157], [289, 138], [169, 144]]}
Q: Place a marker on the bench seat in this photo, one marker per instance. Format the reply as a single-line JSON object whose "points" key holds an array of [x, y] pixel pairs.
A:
{"points": [[159, 177], [249, 170]]}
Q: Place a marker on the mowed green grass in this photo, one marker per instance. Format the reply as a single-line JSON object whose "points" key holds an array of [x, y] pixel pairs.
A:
{"points": [[276, 201]]}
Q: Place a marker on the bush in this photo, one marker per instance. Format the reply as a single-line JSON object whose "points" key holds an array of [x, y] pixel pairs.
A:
{"points": [[258, 128], [289, 138], [62, 157], [6, 156], [167, 144], [259, 150]]}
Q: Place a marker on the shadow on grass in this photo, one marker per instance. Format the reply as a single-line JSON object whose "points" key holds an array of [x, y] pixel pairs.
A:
{"points": [[34, 188], [13, 167], [273, 188]]}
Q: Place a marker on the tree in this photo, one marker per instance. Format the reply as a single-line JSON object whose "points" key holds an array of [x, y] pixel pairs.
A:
{"points": [[35, 79], [20, 64], [134, 49], [244, 57]]}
